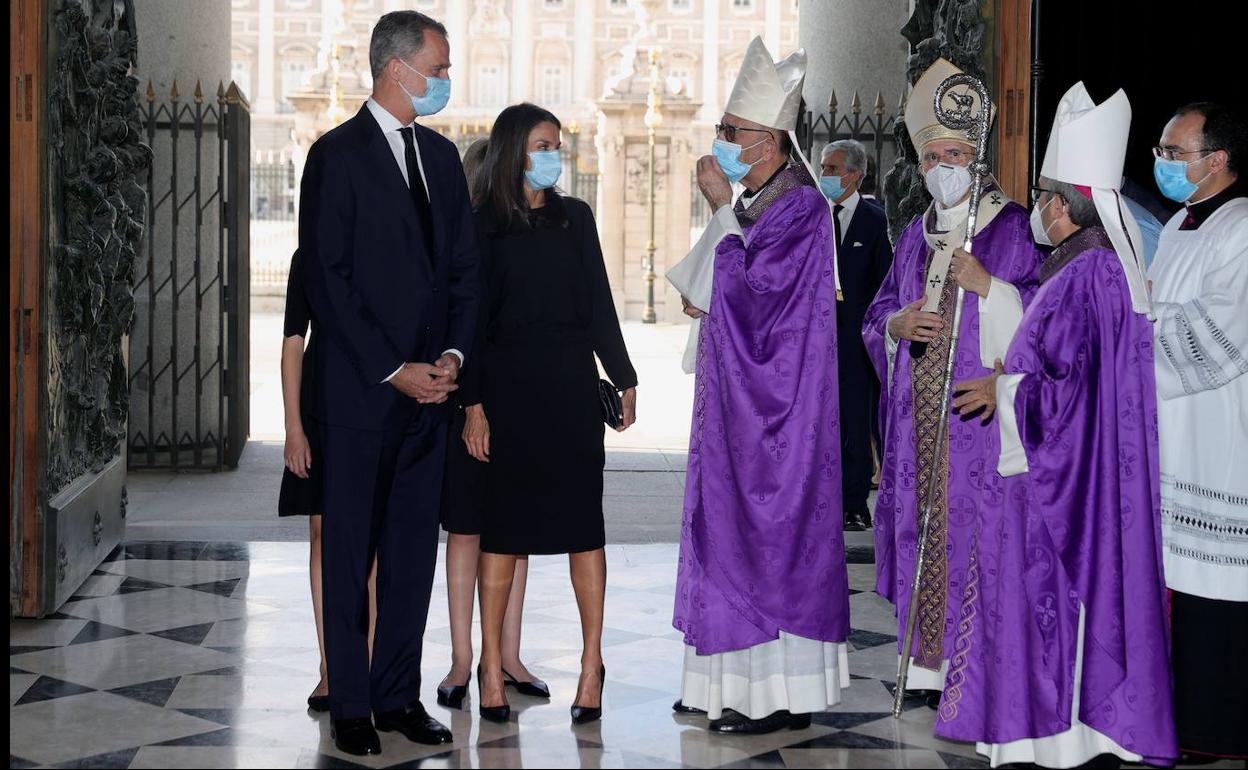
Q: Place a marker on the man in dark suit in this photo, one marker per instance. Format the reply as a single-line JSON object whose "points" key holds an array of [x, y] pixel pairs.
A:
{"points": [[390, 258], [863, 256]]}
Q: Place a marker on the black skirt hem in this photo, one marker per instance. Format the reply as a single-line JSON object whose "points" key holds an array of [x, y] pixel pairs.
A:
{"points": [[543, 551]]}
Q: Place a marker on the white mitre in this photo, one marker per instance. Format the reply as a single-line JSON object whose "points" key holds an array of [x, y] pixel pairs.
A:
{"points": [[766, 92], [1087, 147]]}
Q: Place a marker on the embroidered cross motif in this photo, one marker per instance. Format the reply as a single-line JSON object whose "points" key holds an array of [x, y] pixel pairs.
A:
{"points": [[995, 199], [941, 245], [934, 282]]}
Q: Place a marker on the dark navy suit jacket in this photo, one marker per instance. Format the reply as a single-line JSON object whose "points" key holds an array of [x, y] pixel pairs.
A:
{"points": [[863, 258], [378, 299]]}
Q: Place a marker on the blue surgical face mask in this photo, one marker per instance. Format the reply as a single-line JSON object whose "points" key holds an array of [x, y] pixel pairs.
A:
{"points": [[1171, 177], [437, 93], [832, 187], [544, 168], [728, 155]]}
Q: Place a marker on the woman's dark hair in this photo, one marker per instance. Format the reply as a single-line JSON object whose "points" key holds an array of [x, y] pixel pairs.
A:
{"points": [[502, 177]]}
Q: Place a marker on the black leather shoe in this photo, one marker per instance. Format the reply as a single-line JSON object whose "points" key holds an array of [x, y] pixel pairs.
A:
{"points": [[931, 698], [1189, 758], [583, 714], [415, 724], [355, 736], [498, 714], [452, 696], [733, 723], [535, 688], [680, 708], [318, 703], [857, 521]]}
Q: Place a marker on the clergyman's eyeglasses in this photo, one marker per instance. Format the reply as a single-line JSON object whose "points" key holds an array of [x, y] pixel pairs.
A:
{"points": [[729, 132]]}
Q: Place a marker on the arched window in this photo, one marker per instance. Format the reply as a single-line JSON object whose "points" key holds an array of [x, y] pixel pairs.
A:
{"points": [[552, 73], [682, 67], [296, 63], [553, 85], [490, 86]]}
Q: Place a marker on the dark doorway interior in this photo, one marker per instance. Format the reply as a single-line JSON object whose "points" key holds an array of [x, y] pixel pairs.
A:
{"points": [[1162, 55]]}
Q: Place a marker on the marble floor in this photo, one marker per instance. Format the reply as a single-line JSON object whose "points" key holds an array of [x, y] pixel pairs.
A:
{"points": [[200, 654]]}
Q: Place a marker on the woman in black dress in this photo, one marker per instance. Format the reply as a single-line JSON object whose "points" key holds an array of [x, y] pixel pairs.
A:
{"points": [[301, 480], [530, 390], [463, 498]]}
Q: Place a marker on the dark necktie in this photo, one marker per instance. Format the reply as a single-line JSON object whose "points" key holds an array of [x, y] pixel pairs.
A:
{"points": [[416, 185], [836, 222]]}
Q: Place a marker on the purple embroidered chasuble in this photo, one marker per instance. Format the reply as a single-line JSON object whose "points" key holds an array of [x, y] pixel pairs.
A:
{"points": [[762, 549], [1081, 530], [909, 408]]}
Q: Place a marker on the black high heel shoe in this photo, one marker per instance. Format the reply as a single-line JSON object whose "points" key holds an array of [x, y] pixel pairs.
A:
{"points": [[536, 688], [453, 696], [499, 714], [583, 714], [318, 703]]}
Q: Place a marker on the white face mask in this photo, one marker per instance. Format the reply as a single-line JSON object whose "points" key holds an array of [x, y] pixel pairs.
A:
{"points": [[948, 184], [1039, 232]]}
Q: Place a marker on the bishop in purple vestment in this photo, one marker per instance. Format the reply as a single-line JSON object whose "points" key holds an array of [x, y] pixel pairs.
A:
{"points": [[907, 331], [1061, 651], [762, 590], [1075, 550]]}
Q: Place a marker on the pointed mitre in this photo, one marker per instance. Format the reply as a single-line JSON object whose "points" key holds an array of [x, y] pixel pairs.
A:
{"points": [[1087, 147], [921, 120], [1088, 144], [767, 92]]}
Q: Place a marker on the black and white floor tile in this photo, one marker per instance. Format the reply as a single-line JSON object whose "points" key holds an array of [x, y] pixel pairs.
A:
{"points": [[184, 654]]}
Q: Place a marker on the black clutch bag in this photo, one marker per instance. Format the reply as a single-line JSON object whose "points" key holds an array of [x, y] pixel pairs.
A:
{"points": [[612, 406]]}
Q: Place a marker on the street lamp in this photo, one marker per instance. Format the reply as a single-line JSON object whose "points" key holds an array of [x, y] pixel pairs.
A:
{"points": [[653, 119]]}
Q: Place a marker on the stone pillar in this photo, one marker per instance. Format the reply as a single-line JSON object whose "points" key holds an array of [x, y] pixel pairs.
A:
{"points": [[584, 66], [187, 41], [711, 104], [853, 45], [609, 142], [675, 244], [521, 53], [457, 28], [771, 22], [265, 103]]}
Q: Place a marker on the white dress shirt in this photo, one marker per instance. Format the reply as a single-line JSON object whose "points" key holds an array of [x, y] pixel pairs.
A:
{"points": [[846, 214], [391, 128]]}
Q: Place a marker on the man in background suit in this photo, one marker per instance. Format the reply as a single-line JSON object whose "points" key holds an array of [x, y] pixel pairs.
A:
{"points": [[863, 255], [386, 232]]}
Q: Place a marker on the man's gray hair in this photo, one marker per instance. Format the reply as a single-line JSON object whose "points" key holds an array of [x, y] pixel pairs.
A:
{"points": [[1082, 210], [398, 35], [855, 153]]}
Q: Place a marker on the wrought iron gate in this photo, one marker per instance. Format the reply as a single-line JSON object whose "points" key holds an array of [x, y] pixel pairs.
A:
{"points": [[189, 347], [876, 131]]}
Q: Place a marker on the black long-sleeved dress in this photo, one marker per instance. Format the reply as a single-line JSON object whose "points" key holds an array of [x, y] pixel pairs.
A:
{"points": [[298, 496], [547, 311]]}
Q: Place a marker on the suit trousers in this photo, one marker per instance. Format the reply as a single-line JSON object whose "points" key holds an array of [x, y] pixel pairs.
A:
{"points": [[382, 497], [857, 392]]}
